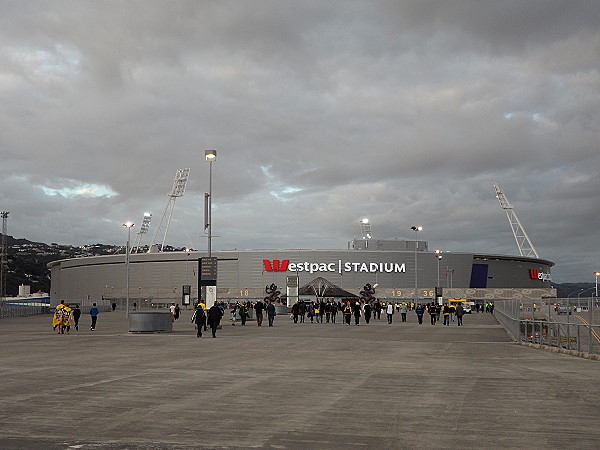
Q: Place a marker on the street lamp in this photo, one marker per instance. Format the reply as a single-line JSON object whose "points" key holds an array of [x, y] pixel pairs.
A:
{"points": [[438, 255], [416, 229], [210, 156], [129, 226], [597, 275]]}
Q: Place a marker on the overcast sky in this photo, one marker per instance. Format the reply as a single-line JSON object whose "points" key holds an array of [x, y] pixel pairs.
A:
{"points": [[322, 112]]}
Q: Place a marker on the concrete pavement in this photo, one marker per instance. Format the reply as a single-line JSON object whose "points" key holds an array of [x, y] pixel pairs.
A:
{"points": [[290, 386]]}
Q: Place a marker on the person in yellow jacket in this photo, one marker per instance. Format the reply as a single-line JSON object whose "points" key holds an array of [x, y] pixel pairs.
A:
{"points": [[66, 318], [57, 317]]}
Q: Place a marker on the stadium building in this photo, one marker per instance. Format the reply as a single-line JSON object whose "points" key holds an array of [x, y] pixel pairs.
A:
{"points": [[394, 267]]}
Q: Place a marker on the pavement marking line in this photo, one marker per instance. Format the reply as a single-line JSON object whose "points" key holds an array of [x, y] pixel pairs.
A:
{"points": [[585, 322]]}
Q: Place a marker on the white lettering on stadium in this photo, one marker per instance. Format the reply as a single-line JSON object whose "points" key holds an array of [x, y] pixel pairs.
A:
{"points": [[341, 266]]}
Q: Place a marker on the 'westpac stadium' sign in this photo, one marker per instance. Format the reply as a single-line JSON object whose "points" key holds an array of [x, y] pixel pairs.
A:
{"points": [[340, 266]]}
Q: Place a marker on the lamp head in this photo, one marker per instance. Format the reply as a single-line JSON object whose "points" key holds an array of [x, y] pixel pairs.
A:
{"points": [[129, 224], [210, 155]]}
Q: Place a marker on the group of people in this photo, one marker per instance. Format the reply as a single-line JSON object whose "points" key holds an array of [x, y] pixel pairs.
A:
{"points": [[175, 311], [449, 312], [65, 316], [211, 318], [327, 311], [242, 309]]}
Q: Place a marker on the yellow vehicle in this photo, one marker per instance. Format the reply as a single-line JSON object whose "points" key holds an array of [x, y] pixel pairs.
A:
{"points": [[465, 304]]}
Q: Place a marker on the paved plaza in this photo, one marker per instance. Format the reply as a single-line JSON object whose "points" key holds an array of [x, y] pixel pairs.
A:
{"points": [[291, 386]]}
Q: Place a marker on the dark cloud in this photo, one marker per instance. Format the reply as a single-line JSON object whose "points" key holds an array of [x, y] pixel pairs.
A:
{"points": [[323, 113]]}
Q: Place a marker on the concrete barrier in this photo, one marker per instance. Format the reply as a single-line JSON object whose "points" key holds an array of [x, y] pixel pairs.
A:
{"points": [[150, 321]]}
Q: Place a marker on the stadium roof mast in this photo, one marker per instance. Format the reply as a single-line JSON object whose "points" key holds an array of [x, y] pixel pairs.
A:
{"points": [[526, 248], [143, 230], [181, 178]]}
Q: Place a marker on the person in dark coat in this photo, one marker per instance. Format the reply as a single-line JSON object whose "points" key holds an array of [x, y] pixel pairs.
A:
{"points": [[460, 311], [76, 316], [199, 318], [270, 313], [356, 311], [295, 312], [367, 312], [258, 308], [433, 311], [347, 313], [244, 313], [420, 311], [214, 318]]}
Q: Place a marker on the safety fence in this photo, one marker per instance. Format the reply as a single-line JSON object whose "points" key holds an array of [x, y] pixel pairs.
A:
{"points": [[572, 324], [22, 311]]}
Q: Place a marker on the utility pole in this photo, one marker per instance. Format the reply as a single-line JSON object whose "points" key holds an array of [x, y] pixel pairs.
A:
{"points": [[3, 255]]}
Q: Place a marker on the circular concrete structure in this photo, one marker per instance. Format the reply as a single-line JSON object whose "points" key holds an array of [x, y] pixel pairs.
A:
{"points": [[159, 278]]}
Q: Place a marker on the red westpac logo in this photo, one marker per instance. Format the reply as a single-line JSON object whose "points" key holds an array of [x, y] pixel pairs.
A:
{"points": [[533, 273], [276, 265]]}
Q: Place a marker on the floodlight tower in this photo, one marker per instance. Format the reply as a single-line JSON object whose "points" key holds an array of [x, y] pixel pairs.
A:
{"points": [[177, 190], [365, 228], [143, 230], [3, 256], [526, 248]]}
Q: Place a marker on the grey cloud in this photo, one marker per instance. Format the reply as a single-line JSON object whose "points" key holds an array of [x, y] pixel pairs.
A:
{"points": [[323, 113]]}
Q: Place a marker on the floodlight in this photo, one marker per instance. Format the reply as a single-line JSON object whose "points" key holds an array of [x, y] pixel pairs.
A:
{"points": [[210, 155]]}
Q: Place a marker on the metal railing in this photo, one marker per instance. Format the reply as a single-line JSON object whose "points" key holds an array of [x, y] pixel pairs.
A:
{"points": [[573, 324], [22, 311]]}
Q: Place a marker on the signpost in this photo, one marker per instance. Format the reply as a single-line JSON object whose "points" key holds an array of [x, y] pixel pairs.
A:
{"points": [[186, 293], [292, 290], [207, 280]]}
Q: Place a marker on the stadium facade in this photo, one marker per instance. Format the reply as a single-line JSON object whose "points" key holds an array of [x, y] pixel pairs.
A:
{"points": [[243, 274]]}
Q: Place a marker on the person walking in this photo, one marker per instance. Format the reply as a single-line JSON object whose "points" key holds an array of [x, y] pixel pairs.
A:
{"points": [[57, 317], [271, 313], [199, 318], [446, 312], [367, 310], [302, 311], [432, 310], [76, 316], [420, 311], [66, 318], [295, 311], [403, 311], [258, 309], [460, 311], [172, 309], [94, 316], [356, 312], [243, 313], [214, 318], [334, 311], [390, 312], [377, 314], [347, 313], [327, 308], [176, 312]]}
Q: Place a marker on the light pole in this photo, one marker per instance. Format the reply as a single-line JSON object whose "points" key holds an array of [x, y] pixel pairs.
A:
{"points": [[575, 292], [597, 275], [416, 229], [129, 226], [438, 255], [210, 156]]}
